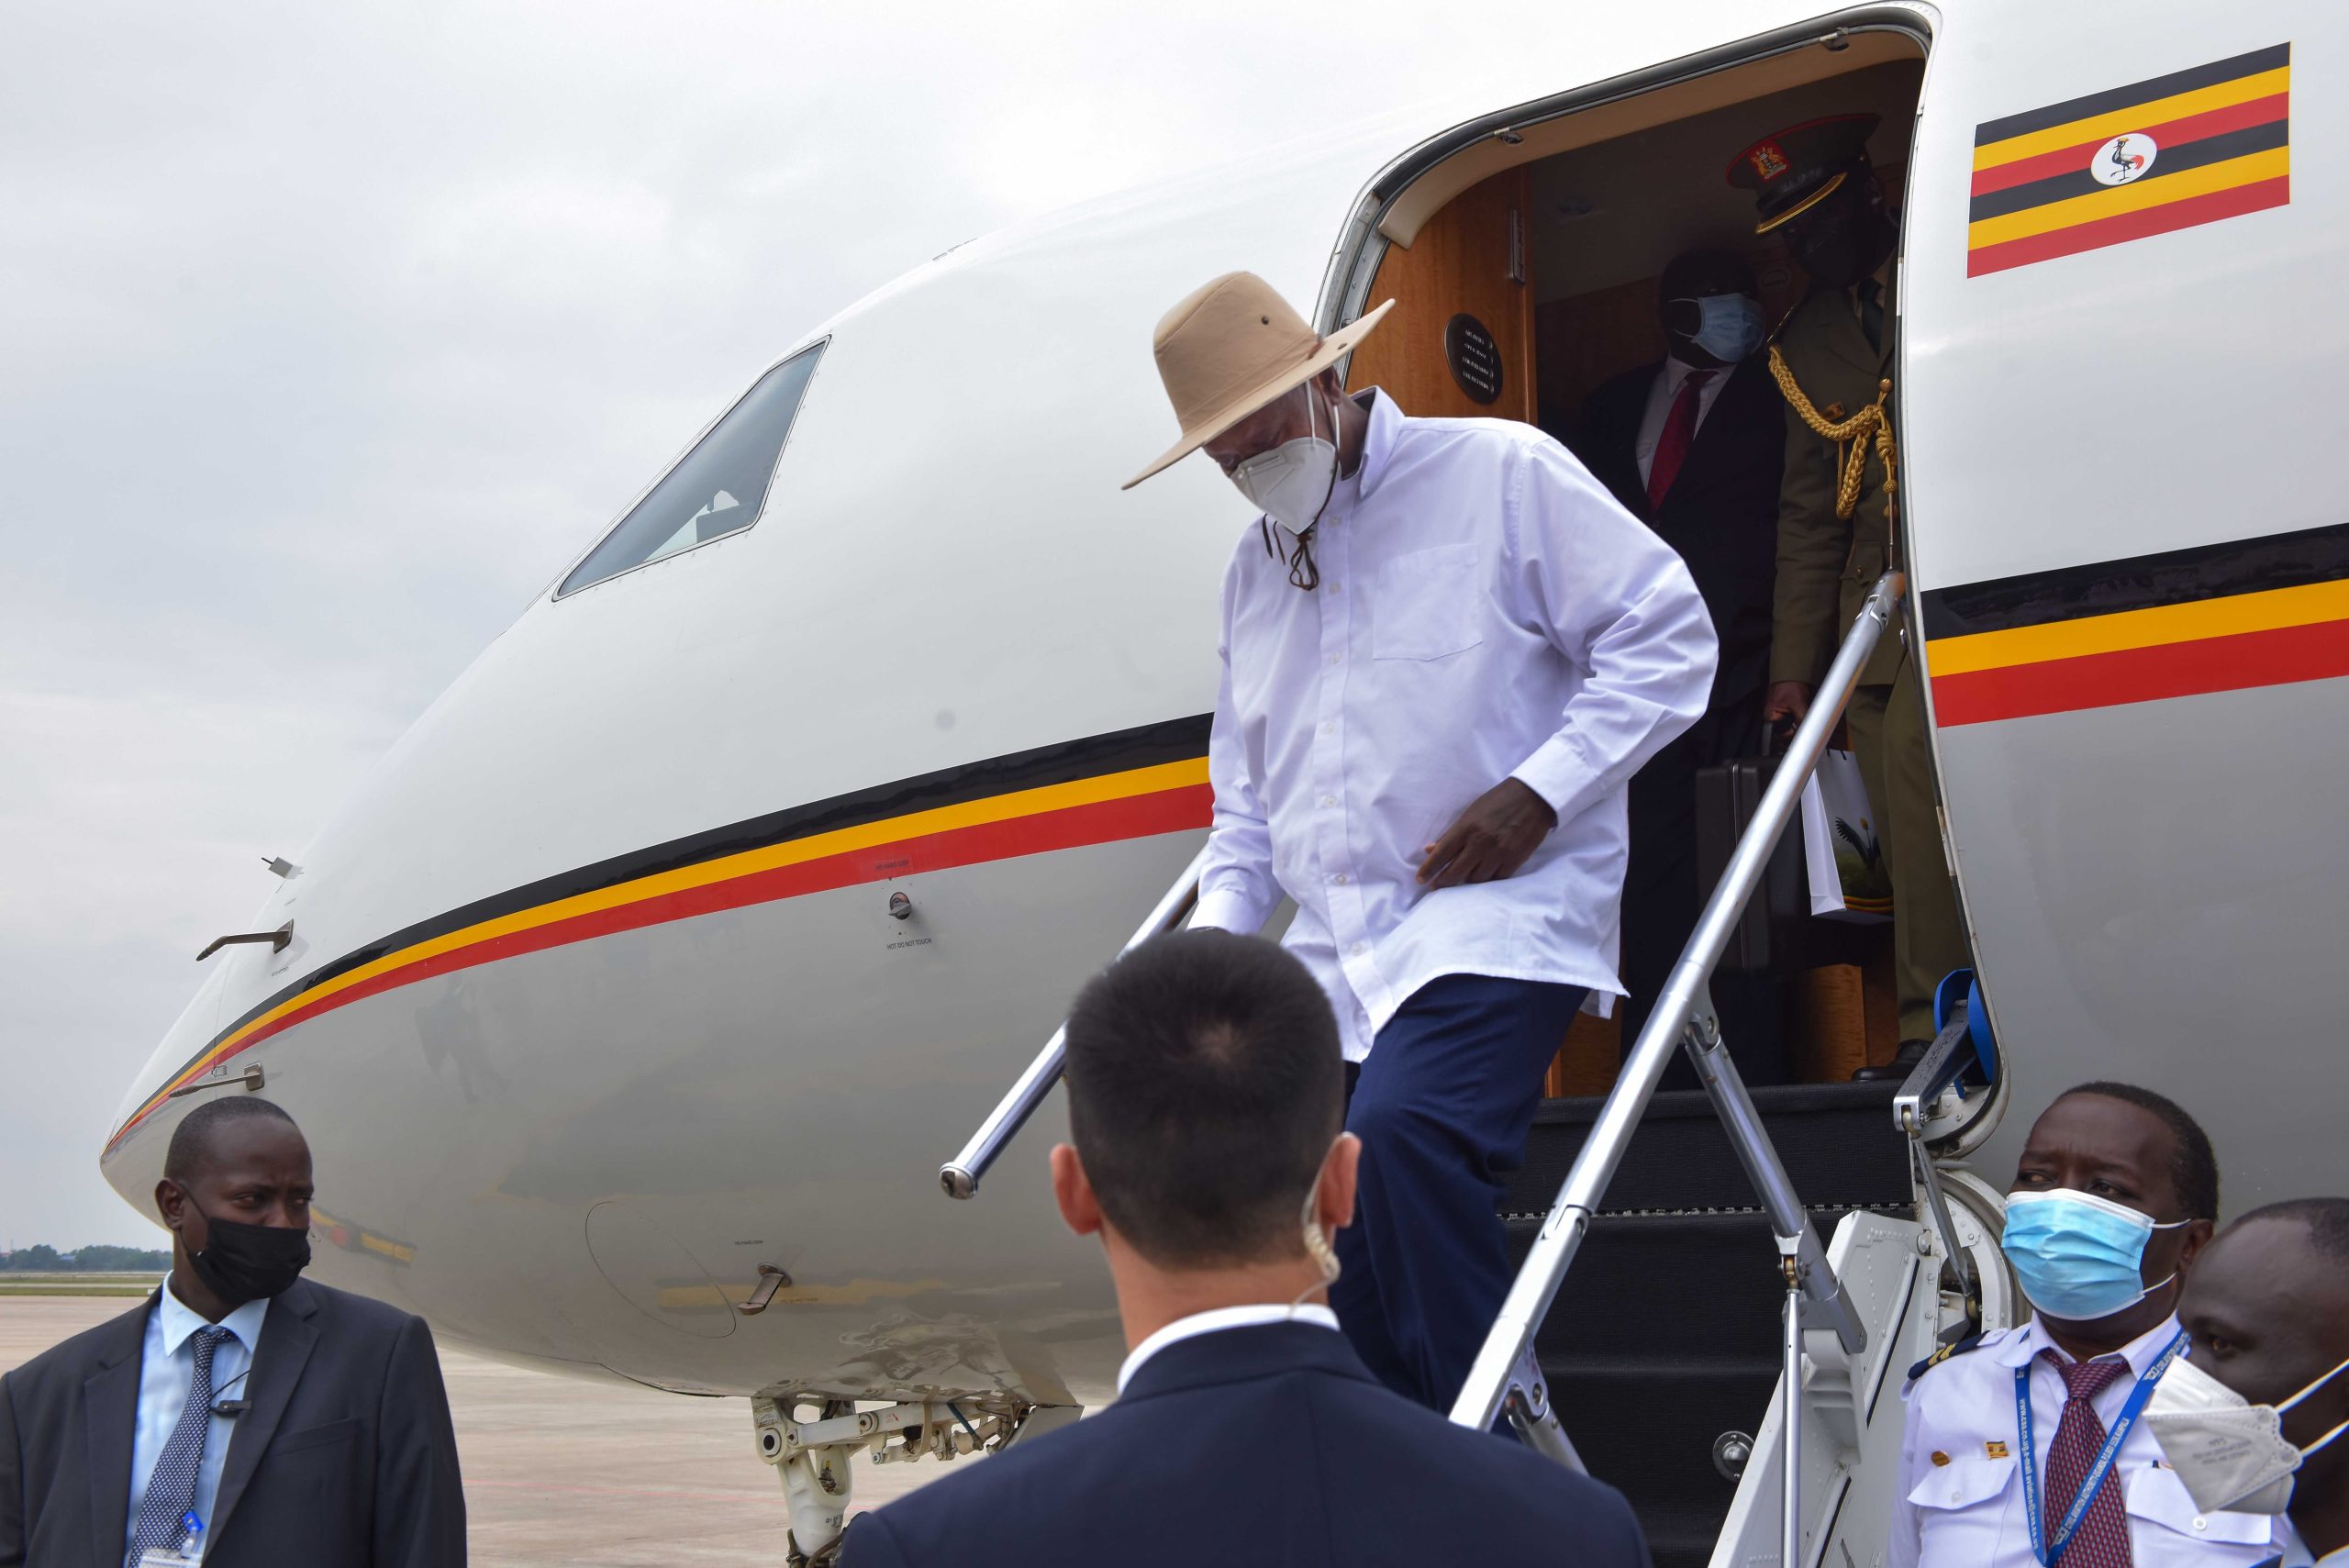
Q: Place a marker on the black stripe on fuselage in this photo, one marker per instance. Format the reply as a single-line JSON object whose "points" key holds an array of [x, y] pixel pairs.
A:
{"points": [[2169, 159], [1148, 745], [2142, 583], [2190, 79]]}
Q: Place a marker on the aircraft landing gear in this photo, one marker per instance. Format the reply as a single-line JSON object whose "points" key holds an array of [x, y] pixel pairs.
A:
{"points": [[814, 1456]]}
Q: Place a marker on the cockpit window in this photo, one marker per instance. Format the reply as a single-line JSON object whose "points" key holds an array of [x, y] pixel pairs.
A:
{"points": [[718, 488]]}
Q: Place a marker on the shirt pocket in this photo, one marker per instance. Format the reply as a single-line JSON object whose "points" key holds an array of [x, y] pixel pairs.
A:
{"points": [[1964, 1507], [2159, 1498], [1429, 604]]}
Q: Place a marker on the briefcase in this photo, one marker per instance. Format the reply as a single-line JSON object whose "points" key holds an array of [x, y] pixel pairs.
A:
{"points": [[1775, 931]]}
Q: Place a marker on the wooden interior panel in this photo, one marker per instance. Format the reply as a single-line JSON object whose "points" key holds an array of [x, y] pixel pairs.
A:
{"points": [[1460, 262]]}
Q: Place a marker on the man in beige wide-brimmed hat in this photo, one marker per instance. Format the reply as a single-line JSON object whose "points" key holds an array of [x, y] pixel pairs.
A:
{"points": [[1445, 650]]}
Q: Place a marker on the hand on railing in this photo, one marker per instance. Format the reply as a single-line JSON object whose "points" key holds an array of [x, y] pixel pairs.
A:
{"points": [[1685, 1000]]}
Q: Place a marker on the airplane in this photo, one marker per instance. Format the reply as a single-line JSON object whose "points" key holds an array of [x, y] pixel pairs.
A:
{"points": [[633, 999]]}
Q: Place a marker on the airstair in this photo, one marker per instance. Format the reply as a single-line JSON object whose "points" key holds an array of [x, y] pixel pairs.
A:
{"points": [[1754, 1269]]}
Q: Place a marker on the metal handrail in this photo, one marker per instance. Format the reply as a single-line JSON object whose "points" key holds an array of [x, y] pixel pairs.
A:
{"points": [[960, 1176], [1684, 1011]]}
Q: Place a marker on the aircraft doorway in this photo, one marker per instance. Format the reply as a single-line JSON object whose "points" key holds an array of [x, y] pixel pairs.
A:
{"points": [[1526, 269]]}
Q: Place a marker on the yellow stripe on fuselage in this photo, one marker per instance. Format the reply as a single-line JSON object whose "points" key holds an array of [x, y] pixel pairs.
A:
{"points": [[2266, 611]]}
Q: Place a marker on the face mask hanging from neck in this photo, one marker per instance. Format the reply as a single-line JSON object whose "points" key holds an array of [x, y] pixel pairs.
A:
{"points": [[2230, 1454], [2079, 1257], [1291, 484]]}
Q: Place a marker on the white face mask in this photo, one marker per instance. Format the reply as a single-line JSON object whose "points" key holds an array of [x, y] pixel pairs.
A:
{"points": [[2231, 1454], [1292, 483]]}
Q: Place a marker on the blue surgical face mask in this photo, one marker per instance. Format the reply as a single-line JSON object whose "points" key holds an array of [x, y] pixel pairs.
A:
{"points": [[2079, 1257], [1729, 326]]}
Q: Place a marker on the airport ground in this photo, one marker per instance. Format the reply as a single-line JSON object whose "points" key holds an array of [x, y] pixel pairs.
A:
{"points": [[560, 1471]]}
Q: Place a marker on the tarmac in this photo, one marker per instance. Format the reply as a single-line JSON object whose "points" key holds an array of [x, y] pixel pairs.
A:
{"points": [[559, 1472]]}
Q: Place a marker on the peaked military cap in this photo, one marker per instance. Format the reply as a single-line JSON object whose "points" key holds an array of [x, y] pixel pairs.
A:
{"points": [[1795, 169]]}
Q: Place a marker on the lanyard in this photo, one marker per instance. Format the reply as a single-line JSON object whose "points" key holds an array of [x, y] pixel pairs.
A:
{"points": [[2041, 1548]]}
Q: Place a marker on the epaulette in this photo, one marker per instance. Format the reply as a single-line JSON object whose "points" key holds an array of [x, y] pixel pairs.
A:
{"points": [[1959, 1349]]}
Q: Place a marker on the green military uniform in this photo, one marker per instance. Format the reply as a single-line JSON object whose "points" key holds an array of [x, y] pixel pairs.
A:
{"points": [[1825, 566], [1815, 178]]}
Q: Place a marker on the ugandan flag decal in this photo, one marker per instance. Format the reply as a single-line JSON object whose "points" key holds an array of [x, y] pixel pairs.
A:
{"points": [[2192, 147]]}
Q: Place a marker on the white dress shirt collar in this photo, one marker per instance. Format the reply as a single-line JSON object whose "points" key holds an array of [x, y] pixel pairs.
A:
{"points": [[2140, 1352], [1215, 1322], [178, 1320]]}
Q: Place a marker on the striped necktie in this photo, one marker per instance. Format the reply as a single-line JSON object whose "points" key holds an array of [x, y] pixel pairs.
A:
{"points": [[170, 1491]]}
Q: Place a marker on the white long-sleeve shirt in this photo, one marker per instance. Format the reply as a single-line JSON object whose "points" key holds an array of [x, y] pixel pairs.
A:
{"points": [[1487, 610]]}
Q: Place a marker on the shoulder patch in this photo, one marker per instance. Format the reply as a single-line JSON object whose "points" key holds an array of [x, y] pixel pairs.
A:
{"points": [[1972, 1342]]}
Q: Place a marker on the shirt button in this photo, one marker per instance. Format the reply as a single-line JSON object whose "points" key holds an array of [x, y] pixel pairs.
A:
{"points": [[1333, 659], [1340, 879], [1330, 726], [2201, 1524], [1359, 949], [1328, 800], [1337, 587]]}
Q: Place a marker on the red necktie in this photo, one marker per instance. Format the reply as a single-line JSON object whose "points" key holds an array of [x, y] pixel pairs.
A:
{"points": [[1679, 430], [2102, 1540]]}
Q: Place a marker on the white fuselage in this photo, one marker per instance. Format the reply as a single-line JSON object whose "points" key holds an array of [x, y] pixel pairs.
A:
{"points": [[594, 1003]]}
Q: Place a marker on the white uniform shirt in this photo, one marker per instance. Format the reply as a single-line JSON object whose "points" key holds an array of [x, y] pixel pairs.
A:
{"points": [[1215, 1321], [1487, 610], [1960, 1494], [1661, 394], [166, 1369]]}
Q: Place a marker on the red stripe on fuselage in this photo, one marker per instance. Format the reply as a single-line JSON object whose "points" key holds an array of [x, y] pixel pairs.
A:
{"points": [[2273, 658]]}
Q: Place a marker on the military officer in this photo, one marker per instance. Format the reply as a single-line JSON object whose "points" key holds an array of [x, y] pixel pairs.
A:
{"points": [[1814, 181], [2026, 1446]]}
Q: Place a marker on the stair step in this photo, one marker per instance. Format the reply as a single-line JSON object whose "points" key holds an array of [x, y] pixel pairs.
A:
{"points": [[1837, 1140], [1689, 1286], [1647, 1427], [1667, 1333]]}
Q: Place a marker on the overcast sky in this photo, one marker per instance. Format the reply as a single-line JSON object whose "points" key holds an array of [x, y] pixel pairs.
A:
{"points": [[328, 333]]}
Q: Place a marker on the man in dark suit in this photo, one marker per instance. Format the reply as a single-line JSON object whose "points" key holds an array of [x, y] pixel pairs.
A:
{"points": [[275, 1421], [1694, 446], [1206, 1095]]}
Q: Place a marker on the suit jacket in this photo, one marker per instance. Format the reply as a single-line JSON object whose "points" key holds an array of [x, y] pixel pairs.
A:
{"points": [[1721, 515], [1255, 1446], [1826, 564], [345, 1455]]}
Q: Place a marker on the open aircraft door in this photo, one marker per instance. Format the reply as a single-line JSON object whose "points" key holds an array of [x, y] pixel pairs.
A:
{"points": [[2121, 439]]}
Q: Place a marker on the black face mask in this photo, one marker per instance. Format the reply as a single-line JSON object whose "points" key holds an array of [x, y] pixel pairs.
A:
{"points": [[244, 1262], [1844, 238]]}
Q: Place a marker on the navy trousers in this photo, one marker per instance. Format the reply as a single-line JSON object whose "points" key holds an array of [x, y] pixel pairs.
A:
{"points": [[1443, 1108]]}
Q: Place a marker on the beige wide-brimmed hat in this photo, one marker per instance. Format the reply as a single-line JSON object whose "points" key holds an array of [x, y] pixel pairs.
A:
{"points": [[1231, 347]]}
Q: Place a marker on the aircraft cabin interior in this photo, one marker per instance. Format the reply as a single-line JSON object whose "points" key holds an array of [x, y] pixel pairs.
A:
{"points": [[1554, 242]]}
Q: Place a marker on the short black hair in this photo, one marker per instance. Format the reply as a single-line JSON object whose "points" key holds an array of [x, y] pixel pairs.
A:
{"points": [[1205, 1088], [2326, 1221], [191, 1139], [2193, 1166]]}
